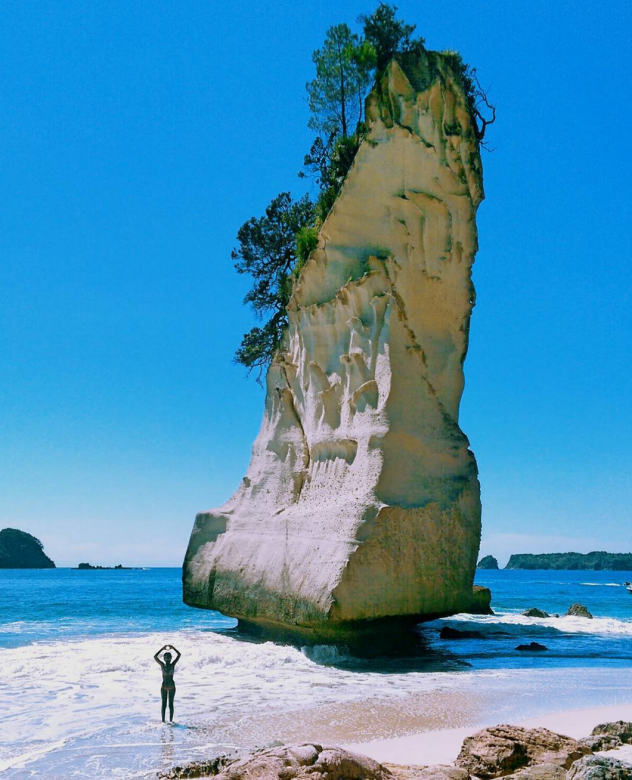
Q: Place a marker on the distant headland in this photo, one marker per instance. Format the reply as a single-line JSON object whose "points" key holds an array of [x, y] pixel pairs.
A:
{"points": [[593, 561], [90, 567], [19, 550]]}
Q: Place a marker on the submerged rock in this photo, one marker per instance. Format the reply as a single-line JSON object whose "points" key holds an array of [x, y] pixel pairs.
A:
{"points": [[532, 647], [536, 613], [454, 633], [579, 610], [500, 750], [19, 550], [361, 503]]}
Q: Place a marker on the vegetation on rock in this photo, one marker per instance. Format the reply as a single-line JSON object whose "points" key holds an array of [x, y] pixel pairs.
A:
{"points": [[19, 550], [348, 66], [593, 561]]}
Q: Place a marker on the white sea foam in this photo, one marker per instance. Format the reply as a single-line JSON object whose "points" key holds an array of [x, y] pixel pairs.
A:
{"points": [[603, 584], [568, 623]]}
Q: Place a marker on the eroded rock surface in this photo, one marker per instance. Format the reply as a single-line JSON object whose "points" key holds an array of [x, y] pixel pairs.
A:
{"points": [[361, 501], [500, 750], [309, 761], [599, 768]]}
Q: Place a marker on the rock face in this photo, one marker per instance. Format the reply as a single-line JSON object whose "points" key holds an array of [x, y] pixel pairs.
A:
{"points": [[488, 562], [305, 761], [599, 768], [500, 750], [579, 610], [361, 501], [19, 550]]}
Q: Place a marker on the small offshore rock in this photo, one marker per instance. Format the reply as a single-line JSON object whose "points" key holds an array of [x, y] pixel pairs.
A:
{"points": [[539, 772], [309, 761], [578, 610], [481, 601], [454, 633], [599, 768], [600, 742], [488, 562], [532, 647], [535, 612], [500, 750], [618, 728]]}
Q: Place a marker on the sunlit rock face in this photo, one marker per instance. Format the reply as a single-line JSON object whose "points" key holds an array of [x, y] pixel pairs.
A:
{"points": [[362, 501]]}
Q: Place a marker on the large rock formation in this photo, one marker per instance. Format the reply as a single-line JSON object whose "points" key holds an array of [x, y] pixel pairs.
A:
{"points": [[362, 498], [19, 550]]}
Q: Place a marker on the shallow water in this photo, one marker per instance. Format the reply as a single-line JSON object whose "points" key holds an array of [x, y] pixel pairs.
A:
{"points": [[80, 689]]}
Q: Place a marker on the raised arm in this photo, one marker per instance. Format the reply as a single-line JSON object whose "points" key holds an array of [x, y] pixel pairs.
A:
{"points": [[156, 658], [177, 658]]}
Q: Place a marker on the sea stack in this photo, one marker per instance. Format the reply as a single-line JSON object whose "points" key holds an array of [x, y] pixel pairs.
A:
{"points": [[361, 506]]}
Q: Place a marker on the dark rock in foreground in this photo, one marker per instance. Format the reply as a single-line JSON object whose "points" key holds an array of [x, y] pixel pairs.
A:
{"points": [[534, 612], [488, 562], [500, 750], [599, 768], [19, 550], [532, 647], [579, 610]]}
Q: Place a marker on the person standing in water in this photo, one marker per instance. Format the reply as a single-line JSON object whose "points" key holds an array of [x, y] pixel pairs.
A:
{"points": [[168, 688]]}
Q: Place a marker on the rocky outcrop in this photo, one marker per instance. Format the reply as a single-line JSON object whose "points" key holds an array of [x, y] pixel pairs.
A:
{"points": [[480, 601], [539, 772], [599, 768], [488, 562], [579, 610], [621, 729], [500, 750], [361, 503], [309, 761], [536, 613], [19, 550]]}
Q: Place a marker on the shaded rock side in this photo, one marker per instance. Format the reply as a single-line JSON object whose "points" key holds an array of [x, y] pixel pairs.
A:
{"points": [[19, 550], [362, 501]]}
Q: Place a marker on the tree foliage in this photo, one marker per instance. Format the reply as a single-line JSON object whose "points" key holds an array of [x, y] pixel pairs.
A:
{"points": [[343, 74], [387, 35], [267, 252]]}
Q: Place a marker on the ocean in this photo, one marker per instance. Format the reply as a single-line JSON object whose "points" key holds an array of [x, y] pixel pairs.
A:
{"points": [[80, 692]]}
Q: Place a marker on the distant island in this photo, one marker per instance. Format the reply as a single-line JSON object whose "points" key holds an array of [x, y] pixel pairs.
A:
{"points": [[488, 562], [90, 567], [593, 561], [19, 550]]}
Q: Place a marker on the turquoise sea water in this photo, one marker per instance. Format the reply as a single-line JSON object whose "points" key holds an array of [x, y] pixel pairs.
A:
{"points": [[80, 689]]}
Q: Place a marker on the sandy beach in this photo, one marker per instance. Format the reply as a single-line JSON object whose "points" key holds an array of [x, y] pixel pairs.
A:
{"points": [[442, 746]]}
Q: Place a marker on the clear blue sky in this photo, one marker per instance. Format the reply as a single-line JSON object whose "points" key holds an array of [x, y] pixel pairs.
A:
{"points": [[135, 139]]}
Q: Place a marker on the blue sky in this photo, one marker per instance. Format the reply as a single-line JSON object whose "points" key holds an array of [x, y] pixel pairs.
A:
{"points": [[137, 137]]}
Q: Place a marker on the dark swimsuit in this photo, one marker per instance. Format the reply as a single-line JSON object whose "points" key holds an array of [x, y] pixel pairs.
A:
{"points": [[167, 680]]}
